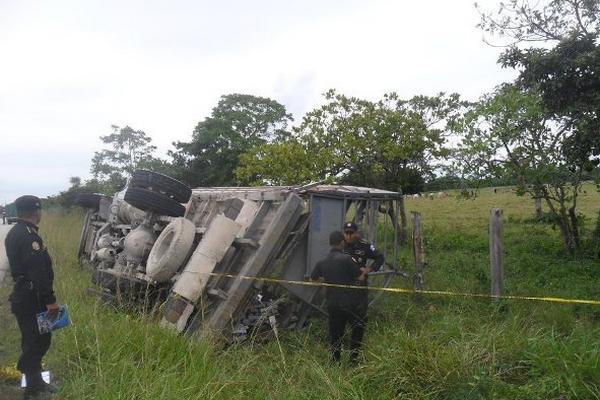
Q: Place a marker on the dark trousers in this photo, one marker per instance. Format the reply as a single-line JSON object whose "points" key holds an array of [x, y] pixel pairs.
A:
{"points": [[33, 345], [339, 316]]}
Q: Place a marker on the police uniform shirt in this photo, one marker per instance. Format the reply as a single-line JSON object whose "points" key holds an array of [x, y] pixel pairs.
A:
{"points": [[338, 268], [361, 251], [31, 269]]}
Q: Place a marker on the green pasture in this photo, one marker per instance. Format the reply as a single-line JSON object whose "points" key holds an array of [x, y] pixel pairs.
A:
{"points": [[441, 348]]}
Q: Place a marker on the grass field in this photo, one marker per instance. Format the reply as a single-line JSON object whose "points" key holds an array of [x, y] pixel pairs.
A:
{"points": [[444, 348]]}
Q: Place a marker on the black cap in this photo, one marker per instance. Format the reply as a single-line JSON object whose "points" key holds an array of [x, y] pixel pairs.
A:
{"points": [[28, 203], [350, 226], [335, 238]]}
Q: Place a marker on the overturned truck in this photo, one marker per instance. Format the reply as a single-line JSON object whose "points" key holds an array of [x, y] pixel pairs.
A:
{"points": [[200, 256]]}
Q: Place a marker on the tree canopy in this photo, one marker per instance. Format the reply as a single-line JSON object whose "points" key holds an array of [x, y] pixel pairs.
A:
{"points": [[128, 150], [390, 143], [568, 80], [542, 21], [238, 123], [545, 127]]}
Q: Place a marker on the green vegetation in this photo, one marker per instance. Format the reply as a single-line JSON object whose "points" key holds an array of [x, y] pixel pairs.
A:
{"points": [[445, 348], [386, 144]]}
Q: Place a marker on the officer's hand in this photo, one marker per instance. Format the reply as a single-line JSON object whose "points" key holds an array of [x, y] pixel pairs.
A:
{"points": [[363, 274], [52, 311]]}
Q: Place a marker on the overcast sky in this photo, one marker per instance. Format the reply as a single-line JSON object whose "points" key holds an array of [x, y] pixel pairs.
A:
{"points": [[70, 69]]}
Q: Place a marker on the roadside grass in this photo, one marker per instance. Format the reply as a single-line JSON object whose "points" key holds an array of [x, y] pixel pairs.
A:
{"points": [[441, 348]]}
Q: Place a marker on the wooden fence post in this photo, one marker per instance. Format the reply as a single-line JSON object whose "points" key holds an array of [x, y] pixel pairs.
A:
{"points": [[496, 254], [373, 217], [418, 253], [403, 234]]}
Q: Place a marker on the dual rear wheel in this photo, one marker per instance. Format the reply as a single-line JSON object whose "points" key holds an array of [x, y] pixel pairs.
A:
{"points": [[151, 191]]}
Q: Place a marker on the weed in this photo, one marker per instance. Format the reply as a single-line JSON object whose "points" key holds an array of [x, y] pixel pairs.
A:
{"points": [[444, 348]]}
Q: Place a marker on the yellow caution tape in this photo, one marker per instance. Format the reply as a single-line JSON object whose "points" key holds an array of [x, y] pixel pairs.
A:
{"points": [[409, 291]]}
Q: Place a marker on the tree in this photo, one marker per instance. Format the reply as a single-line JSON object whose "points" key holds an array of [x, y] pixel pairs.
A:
{"points": [[128, 150], [238, 123], [387, 144], [66, 198], [568, 80], [566, 76], [508, 133], [281, 163], [542, 21]]}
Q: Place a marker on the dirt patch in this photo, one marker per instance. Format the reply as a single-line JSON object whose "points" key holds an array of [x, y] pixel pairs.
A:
{"points": [[10, 391]]}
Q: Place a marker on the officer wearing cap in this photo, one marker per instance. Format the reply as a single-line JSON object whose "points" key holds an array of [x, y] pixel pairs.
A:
{"points": [[31, 269], [343, 304], [361, 251]]}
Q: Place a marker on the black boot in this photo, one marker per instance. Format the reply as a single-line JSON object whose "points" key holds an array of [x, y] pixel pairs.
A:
{"points": [[36, 388], [355, 357]]}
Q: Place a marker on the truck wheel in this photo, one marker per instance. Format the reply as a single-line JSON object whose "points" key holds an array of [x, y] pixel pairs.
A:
{"points": [[88, 200], [164, 184], [148, 200], [170, 249]]}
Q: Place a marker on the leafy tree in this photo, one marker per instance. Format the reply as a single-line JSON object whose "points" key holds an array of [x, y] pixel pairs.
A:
{"points": [[566, 76], [238, 123], [508, 133], [388, 144], [66, 198], [568, 79], [280, 163], [542, 21], [128, 150]]}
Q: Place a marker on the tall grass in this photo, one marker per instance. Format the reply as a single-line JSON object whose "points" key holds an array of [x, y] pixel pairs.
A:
{"points": [[445, 348]]}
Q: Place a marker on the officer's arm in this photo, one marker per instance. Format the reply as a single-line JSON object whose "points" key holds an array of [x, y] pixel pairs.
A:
{"points": [[317, 273], [35, 262], [376, 256], [356, 271]]}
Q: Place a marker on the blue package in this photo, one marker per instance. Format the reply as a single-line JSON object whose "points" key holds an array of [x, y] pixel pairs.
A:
{"points": [[46, 325]]}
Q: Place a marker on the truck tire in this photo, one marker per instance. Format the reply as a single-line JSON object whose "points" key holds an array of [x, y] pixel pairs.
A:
{"points": [[148, 200], [171, 249], [164, 184], [88, 200]]}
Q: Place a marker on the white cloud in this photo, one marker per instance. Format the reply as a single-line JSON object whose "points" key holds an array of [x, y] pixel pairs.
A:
{"points": [[71, 69]]}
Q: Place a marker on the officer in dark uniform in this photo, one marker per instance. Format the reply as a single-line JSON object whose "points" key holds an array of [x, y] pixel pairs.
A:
{"points": [[343, 304], [31, 269], [361, 251]]}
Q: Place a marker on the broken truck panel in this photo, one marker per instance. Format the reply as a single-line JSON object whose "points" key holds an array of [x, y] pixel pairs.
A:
{"points": [[194, 261]]}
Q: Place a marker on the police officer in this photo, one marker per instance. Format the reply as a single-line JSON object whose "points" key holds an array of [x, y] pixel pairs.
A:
{"points": [[343, 304], [361, 250], [31, 269]]}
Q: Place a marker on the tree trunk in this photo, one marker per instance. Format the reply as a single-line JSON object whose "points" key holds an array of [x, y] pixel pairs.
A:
{"points": [[563, 223], [539, 214], [575, 228]]}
